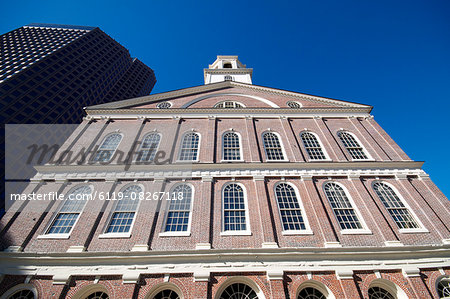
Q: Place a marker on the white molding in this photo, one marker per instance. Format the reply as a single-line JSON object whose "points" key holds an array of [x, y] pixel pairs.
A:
{"points": [[203, 246], [175, 234], [297, 232], [236, 233], [116, 235], [393, 243], [356, 232], [76, 248], [131, 277], [410, 271], [140, 247], [275, 274], [13, 248], [332, 245], [269, 245], [202, 275], [344, 274]]}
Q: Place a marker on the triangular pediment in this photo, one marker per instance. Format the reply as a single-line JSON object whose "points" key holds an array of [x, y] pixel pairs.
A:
{"points": [[248, 95]]}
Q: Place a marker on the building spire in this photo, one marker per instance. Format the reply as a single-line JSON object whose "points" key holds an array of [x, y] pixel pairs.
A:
{"points": [[227, 68]]}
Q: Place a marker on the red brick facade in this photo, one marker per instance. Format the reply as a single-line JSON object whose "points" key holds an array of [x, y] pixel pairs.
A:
{"points": [[203, 261]]}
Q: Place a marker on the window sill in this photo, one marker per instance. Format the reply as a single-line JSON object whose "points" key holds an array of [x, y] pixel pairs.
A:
{"points": [[356, 232], [363, 160], [297, 232], [175, 234], [115, 236], [236, 233], [275, 161], [413, 230], [320, 160], [231, 161], [187, 161], [54, 236]]}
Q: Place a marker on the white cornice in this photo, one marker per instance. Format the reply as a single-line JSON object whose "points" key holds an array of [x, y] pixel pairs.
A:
{"points": [[222, 85], [217, 170], [232, 260]]}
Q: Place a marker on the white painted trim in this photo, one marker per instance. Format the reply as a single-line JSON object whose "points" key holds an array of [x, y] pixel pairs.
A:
{"points": [[140, 147], [103, 141], [307, 230], [164, 286], [105, 234], [365, 230], [241, 154], [248, 230], [235, 102], [369, 156], [281, 144], [198, 149], [240, 279], [20, 287], [89, 289], [327, 157], [389, 286], [316, 285], [265, 101], [45, 235], [163, 232], [420, 229]]}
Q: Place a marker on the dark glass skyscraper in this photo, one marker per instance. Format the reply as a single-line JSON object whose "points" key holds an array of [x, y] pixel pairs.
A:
{"points": [[48, 73]]}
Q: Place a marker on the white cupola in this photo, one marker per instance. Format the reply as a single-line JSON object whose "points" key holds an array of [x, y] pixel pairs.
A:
{"points": [[227, 68]]}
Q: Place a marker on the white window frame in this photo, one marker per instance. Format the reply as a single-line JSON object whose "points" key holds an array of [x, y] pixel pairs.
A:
{"points": [[420, 229], [114, 152], [246, 232], [45, 235], [186, 233], [234, 104], [327, 157], [281, 145], [240, 147], [181, 143], [105, 234], [21, 287], [307, 230], [366, 152], [140, 147], [357, 231], [170, 103], [296, 102]]}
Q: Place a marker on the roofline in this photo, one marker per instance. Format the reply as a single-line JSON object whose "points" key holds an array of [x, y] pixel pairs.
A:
{"points": [[208, 87]]}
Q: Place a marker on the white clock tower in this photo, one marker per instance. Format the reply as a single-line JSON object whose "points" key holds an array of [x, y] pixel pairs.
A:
{"points": [[227, 68]]}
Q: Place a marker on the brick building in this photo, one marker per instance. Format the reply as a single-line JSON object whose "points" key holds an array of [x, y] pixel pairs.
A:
{"points": [[229, 190]]}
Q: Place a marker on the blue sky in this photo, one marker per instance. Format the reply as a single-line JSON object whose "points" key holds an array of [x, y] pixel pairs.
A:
{"points": [[393, 55]]}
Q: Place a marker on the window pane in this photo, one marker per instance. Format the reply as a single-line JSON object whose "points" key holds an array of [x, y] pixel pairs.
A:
{"points": [[398, 211], [234, 208], [231, 146], [353, 147], [312, 146], [189, 147], [342, 208], [107, 148], [149, 146], [272, 146], [291, 214], [179, 209]]}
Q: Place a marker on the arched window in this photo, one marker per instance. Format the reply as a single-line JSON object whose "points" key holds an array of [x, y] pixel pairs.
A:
{"points": [[149, 147], [310, 293], [166, 294], [379, 293], [70, 210], [342, 207], [294, 104], [125, 210], [312, 146], [353, 147], [22, 294], [229, 104], [234, 208], [179, 213], [443, 287], [398, 211], [238, 291], [106, 150], [164, 105], [98, 295], [189, 147], [272, 146], [231, 146], [289, 207]]}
